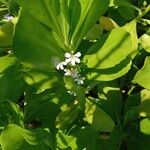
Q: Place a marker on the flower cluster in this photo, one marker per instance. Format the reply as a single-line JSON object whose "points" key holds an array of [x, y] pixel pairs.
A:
{"points": [[69, 67]]}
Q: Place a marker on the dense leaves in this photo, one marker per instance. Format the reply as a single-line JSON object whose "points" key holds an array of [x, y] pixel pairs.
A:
{"points": [[74, 75]]}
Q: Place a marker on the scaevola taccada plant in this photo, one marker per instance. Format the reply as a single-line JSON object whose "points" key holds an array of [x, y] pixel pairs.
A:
{"points": [[74, 75]]}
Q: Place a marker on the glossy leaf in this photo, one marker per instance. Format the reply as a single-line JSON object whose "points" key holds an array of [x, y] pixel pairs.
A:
{"points": [[38, 50], [98, 119], [90, 13], [145, 41], [94, 33], [108, 58], [66, 141], [113, 140], [42, 108], [11, 83], [41, 79], [145, 126], [142, 76], [143, 109], [6, 34], [70, 26], [66, 117], [110, 99], [14, 137], [131, 27], [122, 3], [84, 139], [10, 113], [110, 73], [110, 50], [107, 23]]}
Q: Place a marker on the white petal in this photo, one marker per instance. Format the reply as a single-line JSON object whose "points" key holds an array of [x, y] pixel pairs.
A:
{"points": [[73, 62], [77, 60], [68, 60], [81, 82], [78, 54], [67, 72], [58, 67], [67, 55], [61, 67], [64, 63]]}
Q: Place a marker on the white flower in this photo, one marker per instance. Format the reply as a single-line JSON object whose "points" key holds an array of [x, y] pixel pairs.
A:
{"points": [[80, 80], [61, 65], [71, 72], [8, 17], [72, 58], [68, 72]]}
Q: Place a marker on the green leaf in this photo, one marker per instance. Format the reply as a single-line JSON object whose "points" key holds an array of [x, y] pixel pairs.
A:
{"points": [[122, 3], [6, 34], [110, 50], [70, 20], [40, 49], [90, 13], [67, 116], [42, 80], [11, 83], [142, 76], [66, 141], [10, 113], [131, 28], [145, 41], [143, 109], [107, 23], [94, 33], [80, 92], [113, 140], [110, 73], [107, 62], [110, 99], [42, 107], [14, 137], [98, 119], [84, 139], [145, 126], [69, 82]]}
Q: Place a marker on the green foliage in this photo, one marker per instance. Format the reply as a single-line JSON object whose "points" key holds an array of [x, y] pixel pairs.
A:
{"points": [[74, 75]]}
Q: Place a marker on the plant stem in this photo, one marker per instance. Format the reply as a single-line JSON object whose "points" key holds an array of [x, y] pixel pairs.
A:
{"points": [[146, 10]]}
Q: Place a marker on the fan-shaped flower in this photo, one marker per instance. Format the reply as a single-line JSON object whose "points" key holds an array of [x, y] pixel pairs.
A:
{"points": [[72, 58], [61, 65], [80, 80]]}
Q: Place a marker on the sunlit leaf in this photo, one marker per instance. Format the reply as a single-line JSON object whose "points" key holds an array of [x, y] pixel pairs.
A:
{"points": [[40, 49], [145, 41], [14, 137], [11, 83], [98, 119], [142, 76], [107, 23]]}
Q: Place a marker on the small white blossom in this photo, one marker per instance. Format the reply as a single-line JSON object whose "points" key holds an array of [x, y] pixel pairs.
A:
{"points": [[71, 72], [72, 58], [61, 65], [80, 80], [8, 17], [68, 72]]}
